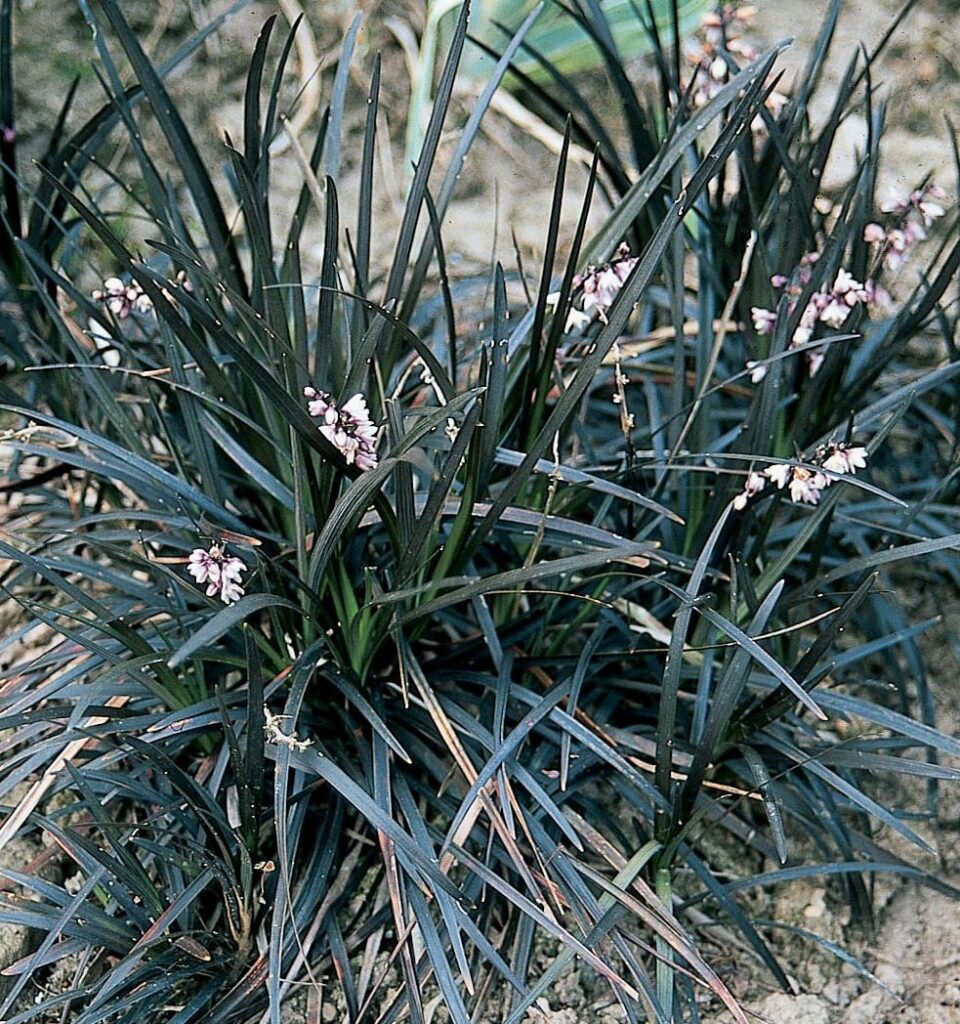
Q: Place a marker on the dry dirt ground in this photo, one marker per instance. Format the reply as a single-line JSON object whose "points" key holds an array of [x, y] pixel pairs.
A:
{"points": [[507, 182], [916, 953]]}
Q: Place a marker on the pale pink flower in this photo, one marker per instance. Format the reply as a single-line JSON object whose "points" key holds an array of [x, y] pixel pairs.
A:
{"points": [[757, 370], [874, 233], [779, 473], [607, 285], [814, 362], [577, 320], [846, 293], [754, 485], [845, 458], [897, 252], [721, 36], [601, 285], [927, 201], [764, 320], [835, 312], [832, 307], [348, 428], [222, 573], [706, 89], [589, 300], [808, 319], [930, 211], [806, 485], [355, 410], [624, 264], [846, 284], [319, 404]]}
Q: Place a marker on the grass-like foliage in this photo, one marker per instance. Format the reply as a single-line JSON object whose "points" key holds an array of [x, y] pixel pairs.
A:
{"points": [[364, 654]]}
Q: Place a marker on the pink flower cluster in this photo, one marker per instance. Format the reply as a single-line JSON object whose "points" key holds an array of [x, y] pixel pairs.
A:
{"points": [[122, 299], [222, 573], [908, 220], [722, 32], [347, 427], [827, 307], [600, 285], [806, 485]]}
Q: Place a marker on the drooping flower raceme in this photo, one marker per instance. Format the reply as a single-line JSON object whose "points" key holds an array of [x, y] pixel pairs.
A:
{"points": [[806, 485], [722, 50], [595, 290], [221, 572], [908, 218], [123, 299], [828, 307], [348, 427]]}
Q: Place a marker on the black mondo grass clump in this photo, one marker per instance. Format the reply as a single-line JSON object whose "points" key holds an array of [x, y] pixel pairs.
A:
{"points": [[368, 659]]}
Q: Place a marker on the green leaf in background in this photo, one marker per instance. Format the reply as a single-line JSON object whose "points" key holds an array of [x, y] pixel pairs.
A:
{"points": [[557, 36]]}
